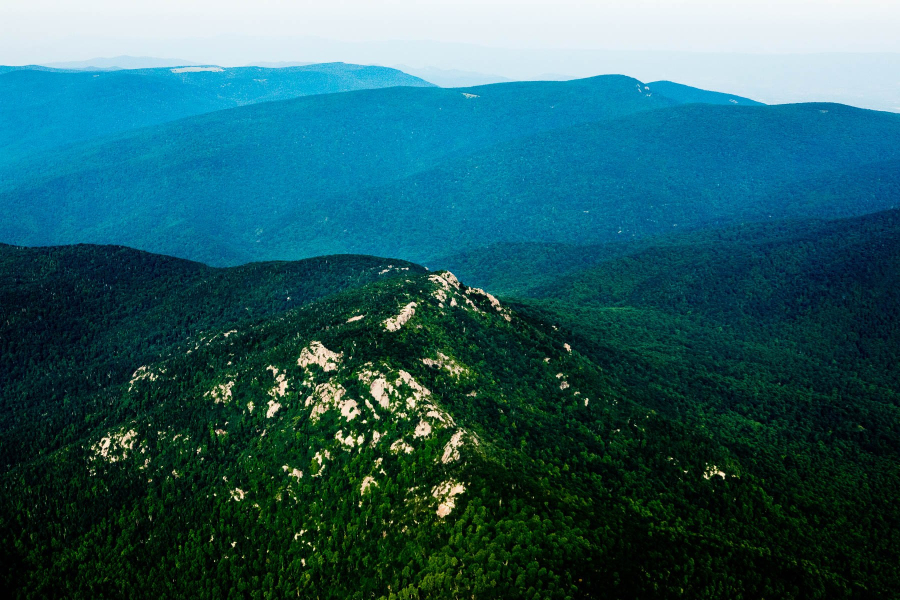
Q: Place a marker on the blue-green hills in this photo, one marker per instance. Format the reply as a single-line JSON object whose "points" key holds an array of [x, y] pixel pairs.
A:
{"points": [[685, 386], [46, 108], [258, 167], [425, 172], [685, 94], [682, 168]]}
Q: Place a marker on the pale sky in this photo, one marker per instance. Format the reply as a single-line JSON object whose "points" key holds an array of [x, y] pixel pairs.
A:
{"points": [[47, 30]]}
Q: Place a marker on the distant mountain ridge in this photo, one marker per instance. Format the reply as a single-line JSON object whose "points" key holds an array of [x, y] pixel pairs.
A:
{"points": [[120, 63], [581, 162], [685, 167], [452, 78], [302, 151], [686, 94], [43, 108]]}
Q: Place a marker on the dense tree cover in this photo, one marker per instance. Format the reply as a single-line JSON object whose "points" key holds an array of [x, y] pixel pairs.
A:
{"points": [[823, 290], [534, 269], [46, 108], [650, 461], [371, 172], [266, 170], [781, 343], [682, 168], [74, 321], [516, 269]]}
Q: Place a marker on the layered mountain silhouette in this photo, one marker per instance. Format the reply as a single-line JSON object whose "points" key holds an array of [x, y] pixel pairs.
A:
{"points": [[44, 108], [422, 173], [295, 154], [303, 422], [676, 376]]}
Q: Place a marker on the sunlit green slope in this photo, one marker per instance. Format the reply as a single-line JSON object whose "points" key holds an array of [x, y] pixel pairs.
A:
{"points": [[415, 437]]}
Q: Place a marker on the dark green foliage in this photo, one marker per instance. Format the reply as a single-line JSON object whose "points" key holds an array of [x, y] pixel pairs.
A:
{"points": [[534, 269], [517, 268], [781, 343], [75, 321], [827, 289], [612, 497], [45, 108]]}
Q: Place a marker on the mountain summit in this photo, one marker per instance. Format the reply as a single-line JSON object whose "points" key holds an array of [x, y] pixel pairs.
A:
{"points": [[47, 108], [403, 435]]}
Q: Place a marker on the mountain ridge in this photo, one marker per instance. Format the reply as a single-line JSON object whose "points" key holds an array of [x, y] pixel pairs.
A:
{"points": [[476, 161], [633, 176], [46, 108], [466, 444], [336, 143]]}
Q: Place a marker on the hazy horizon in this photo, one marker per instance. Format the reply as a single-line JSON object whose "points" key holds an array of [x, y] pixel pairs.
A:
{"points": [[774, 51], [865, 80], [760, 26]]}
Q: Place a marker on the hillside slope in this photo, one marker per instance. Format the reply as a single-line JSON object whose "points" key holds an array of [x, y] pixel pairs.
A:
{"points": [[90, 312], [375, 172], [680, 168], [827, 286], [685, 94], [779, 340], [45, 108], [414, 437], [522, 268], [255, 166]]}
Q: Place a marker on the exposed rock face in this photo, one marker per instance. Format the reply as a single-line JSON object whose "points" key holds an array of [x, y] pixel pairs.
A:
{"points": [[317, 354], [445, 494], [406, 313], [375, 419]]}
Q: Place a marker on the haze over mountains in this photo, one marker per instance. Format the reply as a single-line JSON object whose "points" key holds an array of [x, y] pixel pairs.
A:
{"points": [[42, 109], [856, 78], [375, 172], [678, 381], [121, 63]]}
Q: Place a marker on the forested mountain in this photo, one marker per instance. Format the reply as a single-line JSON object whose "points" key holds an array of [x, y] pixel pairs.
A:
{"points": [[516, 268], [406, 435], [813, 301], [535, 269], [373, 172], [826, 290], [113, 306], [8, 68], [45, 108], [779, 341], [685, 94], [687, 388], [685, 167], [256, 166]]}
